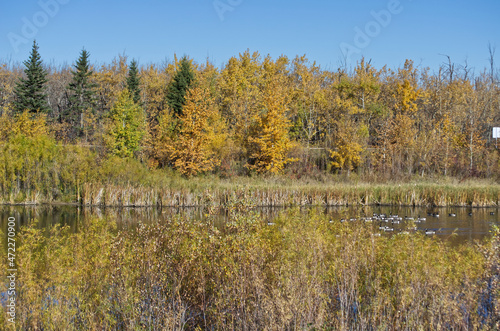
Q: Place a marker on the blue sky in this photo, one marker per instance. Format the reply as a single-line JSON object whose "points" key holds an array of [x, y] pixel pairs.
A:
{"points": [[385, 31]]}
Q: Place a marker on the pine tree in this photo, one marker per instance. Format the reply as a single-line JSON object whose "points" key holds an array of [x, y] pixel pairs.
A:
{"points": [[133, 81], [176, 94], [29, 92], [81, 93]]}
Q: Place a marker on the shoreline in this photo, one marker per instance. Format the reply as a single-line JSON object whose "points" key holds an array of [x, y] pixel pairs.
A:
{"points": [[235, 195]]}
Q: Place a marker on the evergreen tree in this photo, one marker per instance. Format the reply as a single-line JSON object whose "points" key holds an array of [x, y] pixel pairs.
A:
{"points": [[30, 92], [81, 96], [133, 81], [176, 93]]}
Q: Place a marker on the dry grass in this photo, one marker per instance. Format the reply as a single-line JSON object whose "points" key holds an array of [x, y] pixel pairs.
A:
{"points": [[219, 193]]}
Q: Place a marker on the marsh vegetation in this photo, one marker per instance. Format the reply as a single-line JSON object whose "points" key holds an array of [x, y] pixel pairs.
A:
{"points": [[299, 272]]}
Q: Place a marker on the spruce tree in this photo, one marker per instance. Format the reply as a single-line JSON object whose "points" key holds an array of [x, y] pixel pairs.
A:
{"points": [[81, 93], [176, 94], [30, 92], [133, 82]]}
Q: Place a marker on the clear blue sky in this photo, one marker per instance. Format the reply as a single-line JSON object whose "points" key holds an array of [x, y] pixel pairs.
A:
{"points": [[153, 30]]}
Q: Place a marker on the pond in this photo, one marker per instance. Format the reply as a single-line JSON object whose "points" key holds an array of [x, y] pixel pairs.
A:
{"points": [[455, 224]]}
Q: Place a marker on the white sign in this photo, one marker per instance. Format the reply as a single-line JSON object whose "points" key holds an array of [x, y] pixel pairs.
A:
{"points": [[496, 133]]}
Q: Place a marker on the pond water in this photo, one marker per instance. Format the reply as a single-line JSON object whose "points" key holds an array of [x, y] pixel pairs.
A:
{"points": [[454, 224]]}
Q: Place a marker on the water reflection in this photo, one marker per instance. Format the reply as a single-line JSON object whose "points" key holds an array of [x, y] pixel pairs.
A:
{"points": [[455, 224]]}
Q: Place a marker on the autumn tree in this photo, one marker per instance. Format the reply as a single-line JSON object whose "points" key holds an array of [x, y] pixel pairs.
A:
{"points": [[309, 101], [8, 79], [125, 127], [350, 142], [30, 91], [241, 95], [269, 136], [110, 80], [193, 151]]}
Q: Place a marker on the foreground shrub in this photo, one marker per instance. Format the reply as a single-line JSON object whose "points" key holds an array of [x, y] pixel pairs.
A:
{"points": [[302, 272]]}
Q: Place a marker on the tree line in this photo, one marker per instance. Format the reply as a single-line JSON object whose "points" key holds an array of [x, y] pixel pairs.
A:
{"points": [[257, 114]]}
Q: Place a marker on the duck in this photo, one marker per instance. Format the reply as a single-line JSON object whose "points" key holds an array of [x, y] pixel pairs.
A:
{"points": [[429, 232], [452, 215]]}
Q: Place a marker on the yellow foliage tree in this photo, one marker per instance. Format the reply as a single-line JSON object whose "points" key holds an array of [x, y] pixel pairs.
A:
{"points": [[26, 124], [270, 137], [241, 96], [201, 135], [348, 142]]}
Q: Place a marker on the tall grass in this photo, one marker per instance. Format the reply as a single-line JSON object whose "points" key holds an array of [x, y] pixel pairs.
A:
{"points": [[303, 272], [220, 192]]}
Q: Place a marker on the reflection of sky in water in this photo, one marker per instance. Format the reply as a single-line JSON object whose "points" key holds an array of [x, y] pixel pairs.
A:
{"points": [[469, 223]]}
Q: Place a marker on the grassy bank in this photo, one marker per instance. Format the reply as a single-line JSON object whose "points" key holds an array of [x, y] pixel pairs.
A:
{"points": [[303, 272], [173, 190], [222, 193], [260, 193]]}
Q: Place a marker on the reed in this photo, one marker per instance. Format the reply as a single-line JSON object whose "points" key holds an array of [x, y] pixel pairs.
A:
{"points": [[218, 194]]}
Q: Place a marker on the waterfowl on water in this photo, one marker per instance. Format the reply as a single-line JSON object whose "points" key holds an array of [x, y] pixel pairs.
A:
{"points": [[429, 232], [452, 215]]}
